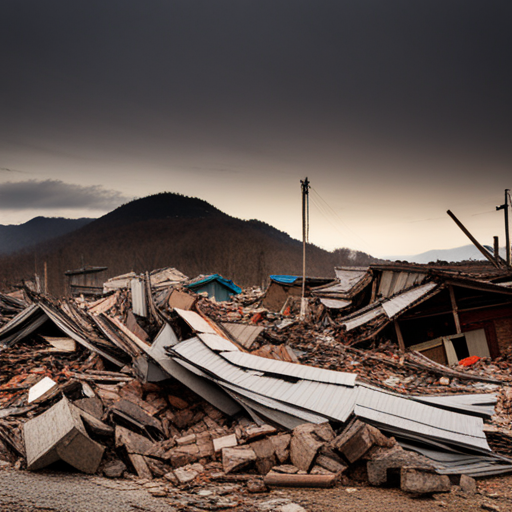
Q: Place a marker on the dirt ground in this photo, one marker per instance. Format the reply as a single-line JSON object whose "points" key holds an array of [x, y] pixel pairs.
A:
{"points": [[22, 491]]}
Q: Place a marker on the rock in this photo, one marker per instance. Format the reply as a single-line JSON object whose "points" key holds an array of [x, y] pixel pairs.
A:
{"points": [[255, 431], [281, 444], [114, 469], [176, 402], [286, 468], [467, 484], [354, 441], [392, 458], [319, 470], [304, 447], [234, 459], [330, 461], [423, 481], [185, 474], [291, 507], [190, 439], [265, 458], [256, 486], [182, 455], [491, 507], [224, 442]]}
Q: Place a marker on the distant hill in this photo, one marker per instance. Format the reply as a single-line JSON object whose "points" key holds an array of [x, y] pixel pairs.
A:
{"points": [[17, 237], [171, 230], [464, 253]]}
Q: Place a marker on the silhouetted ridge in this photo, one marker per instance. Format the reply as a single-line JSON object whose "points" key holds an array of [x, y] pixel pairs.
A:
{"points": [[165, 205]]}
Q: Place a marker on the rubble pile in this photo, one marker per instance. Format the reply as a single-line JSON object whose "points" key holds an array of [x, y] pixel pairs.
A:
{"points": [[183, 392]]}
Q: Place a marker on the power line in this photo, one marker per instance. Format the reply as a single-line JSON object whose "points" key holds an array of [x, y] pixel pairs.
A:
{"points": [[325, 209]]}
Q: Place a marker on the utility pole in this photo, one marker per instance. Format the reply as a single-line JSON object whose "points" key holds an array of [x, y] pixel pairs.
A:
{"points": [[507, 236], [305, 235]]}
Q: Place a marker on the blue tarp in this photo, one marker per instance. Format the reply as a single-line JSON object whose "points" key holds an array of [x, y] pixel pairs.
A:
{"points": [[284, 279], [217, 277]]}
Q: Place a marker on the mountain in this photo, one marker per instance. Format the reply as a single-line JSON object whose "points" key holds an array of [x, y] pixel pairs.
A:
{"points": [[171, 230], [17, 237], [464, 253]]}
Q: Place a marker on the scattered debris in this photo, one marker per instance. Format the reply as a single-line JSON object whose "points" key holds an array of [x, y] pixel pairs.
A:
{"points": [[190, 392]]}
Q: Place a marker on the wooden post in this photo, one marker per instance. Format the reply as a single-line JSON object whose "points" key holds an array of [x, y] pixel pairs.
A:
{"points": [[455, 309], [399, 336], [496, 249], [484, 251]]}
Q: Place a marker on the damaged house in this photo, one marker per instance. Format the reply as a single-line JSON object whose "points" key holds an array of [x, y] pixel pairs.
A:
{"points": [[447, 314]]}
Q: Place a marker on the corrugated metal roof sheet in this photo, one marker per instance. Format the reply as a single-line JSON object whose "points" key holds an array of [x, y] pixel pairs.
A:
{"points": [[393, 282], [480, 404], [197, 322], [363, 318], [396, 304], [298, 371], [334, 401], [217, 343], [417, 418], [24, 323], [305, 416], [448, 462]]}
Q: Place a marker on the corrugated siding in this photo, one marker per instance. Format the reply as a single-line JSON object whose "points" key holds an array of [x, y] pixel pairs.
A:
{"points": [[333, 401], [298, 371], [138, 298], [364, 318], [421, 419], [392, 282], [197, 322], [393, 306], [265, 401]]}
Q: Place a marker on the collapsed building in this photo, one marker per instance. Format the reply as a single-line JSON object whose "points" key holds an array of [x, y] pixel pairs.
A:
{"points": [[158, 380]]}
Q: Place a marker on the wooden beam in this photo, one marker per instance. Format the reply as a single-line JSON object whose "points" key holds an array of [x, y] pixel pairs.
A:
{"points": [[482, 249], [399, 336], [455, 310]]}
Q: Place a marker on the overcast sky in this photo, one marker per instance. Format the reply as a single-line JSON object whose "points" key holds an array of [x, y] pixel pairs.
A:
{"points": [[395, 110]]}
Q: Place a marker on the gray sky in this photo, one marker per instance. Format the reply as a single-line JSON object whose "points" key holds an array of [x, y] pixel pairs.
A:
{"points": [[395, 110]]}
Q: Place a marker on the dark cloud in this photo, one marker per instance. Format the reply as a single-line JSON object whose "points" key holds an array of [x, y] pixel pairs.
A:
{"points": [[55, 194], [6, 169]]}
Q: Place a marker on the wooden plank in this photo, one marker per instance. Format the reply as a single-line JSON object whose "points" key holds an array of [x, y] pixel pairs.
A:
{"points": [[286, 480]]}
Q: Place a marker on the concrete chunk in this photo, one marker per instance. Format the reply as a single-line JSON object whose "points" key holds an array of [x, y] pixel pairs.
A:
{"points": [[59, 434], [423, 481], [234, 459]]}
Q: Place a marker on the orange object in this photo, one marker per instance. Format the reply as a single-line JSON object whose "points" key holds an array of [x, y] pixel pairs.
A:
{"points": [[258, 317], [468, 361]]}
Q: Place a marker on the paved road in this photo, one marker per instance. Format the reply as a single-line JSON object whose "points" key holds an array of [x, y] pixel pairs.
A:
{"points": [[61, 492]]}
